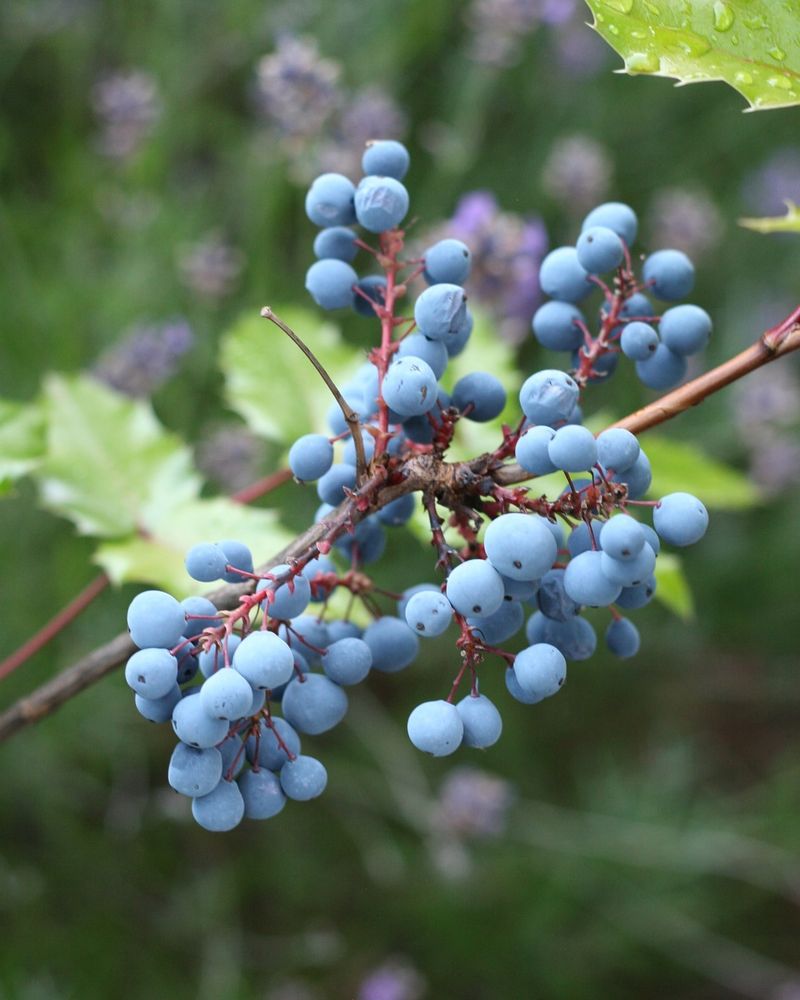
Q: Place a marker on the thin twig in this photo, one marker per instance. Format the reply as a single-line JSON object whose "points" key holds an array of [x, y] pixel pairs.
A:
{"points": [[349, 414]]}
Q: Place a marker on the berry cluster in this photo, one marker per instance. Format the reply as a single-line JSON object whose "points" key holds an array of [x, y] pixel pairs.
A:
{"points": [[521, 563], [629, 324]]}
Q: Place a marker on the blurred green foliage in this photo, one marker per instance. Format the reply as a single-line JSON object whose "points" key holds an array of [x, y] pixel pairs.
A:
{"points": [[652, 850]]}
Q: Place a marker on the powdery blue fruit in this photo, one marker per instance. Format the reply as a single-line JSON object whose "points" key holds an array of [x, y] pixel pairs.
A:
{"points": [[562, 277], [629, 572], [575, 637], [303, 778], [599, 249], [239, 556], [407, 594], [314, 705], [329, 201], [435, 727], [213, 659], [200, 614], [194, 772], [331, 486], [617, 449], [475, 588], [636, 597], [532, 450], [555, 325], [338, 242], [347, 661], [409, 387], [432, 352], [226, 695], [519, 546], [264, 660], [481, 721], [497, 628], [369, 292], [158, 709], [685, 329], [663, 369], [623, 537], [617, 216], [680, 519], [428, 613], [205, 562], [330, 283], [622, 638], [481, 395], [553, 600], [386, 158], [310, 456], [221, 810], [573, 448], [290, 599], [156, 619], [381, 203], [586, 583], [308, 636], [369, 537], [392, 643], [456, 343], [447, 261], [669, 273], [548, 396], [540, 670], [193, 725], [266, 750], [152, 673], [638, 341], [262, 794], [398, 512], [440, 312], [637, 478]]}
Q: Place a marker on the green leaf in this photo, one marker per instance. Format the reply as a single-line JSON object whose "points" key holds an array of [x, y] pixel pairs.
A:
{"points": [[21, 441], [109, 462], [157, 558], [753, 45], [672, 587], [269, 382], [789, 223], [679, 466], [486, 351]]}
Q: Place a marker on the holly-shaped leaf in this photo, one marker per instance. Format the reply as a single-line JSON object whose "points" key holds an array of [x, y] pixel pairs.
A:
{"points": [[269, 382], [789, 223], [108, 460], [752, 45], [21, 441]]}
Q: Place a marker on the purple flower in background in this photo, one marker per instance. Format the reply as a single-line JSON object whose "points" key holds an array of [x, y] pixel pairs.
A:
{"points": [[580, 52], [684, 219], [297, 90], [507, 250], [395, 979], [577, 173], [474, 803], [230, 457], [777, 180], [127, 106], [145, 358], [210, 267], [766, 407], [500, 27]]}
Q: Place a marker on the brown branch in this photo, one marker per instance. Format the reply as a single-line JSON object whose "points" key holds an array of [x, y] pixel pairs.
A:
{"points": [[349, 414], [421, 472]]}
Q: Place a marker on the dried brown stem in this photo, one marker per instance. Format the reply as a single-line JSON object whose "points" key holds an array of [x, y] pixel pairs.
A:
{"points": [[350, 415]]}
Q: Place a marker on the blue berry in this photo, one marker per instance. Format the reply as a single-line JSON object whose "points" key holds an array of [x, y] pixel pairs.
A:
{"points": [[616, 216], [638, 341], [685, 329], [314, 704], [266, 751], [156, 619], [290, 598], [629, 572], [428, 613], [205, 562], [386, 158], [310, 456], [519, 546], [193, 725], [262, 794], [622, 638], [483, 392], [553, 600], [337, 242], [369, 292], [447, 261], [435, 727], [347, 661], [392, 643], [617, 449], [475, 588], [663, 369], [532, 450], [329, 201], [440, 312], [432, 352], [264, 660], [409, 387], [586, 583], [381, 203], [303, 778], [502, 624], [226, 695], [548, 396], [680, 519], [158, 709], [481, 721], [623, 537], [573, 448], [331, 486], [555, 326], [540, 670], [599, 249], [151, 673], [562, 277], [239, 557], [330, 283], [221, 810], [194, 772], [670, 273]]}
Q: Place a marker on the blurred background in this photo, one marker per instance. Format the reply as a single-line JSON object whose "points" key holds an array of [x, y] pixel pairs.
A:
{"points": [[638, 836]]}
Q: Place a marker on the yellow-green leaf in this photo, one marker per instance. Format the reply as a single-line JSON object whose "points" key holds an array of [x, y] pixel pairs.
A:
{"points": [[108, 461], [682, 467], [789, 223], [752, 45], [672, 587], [21, 440]]}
